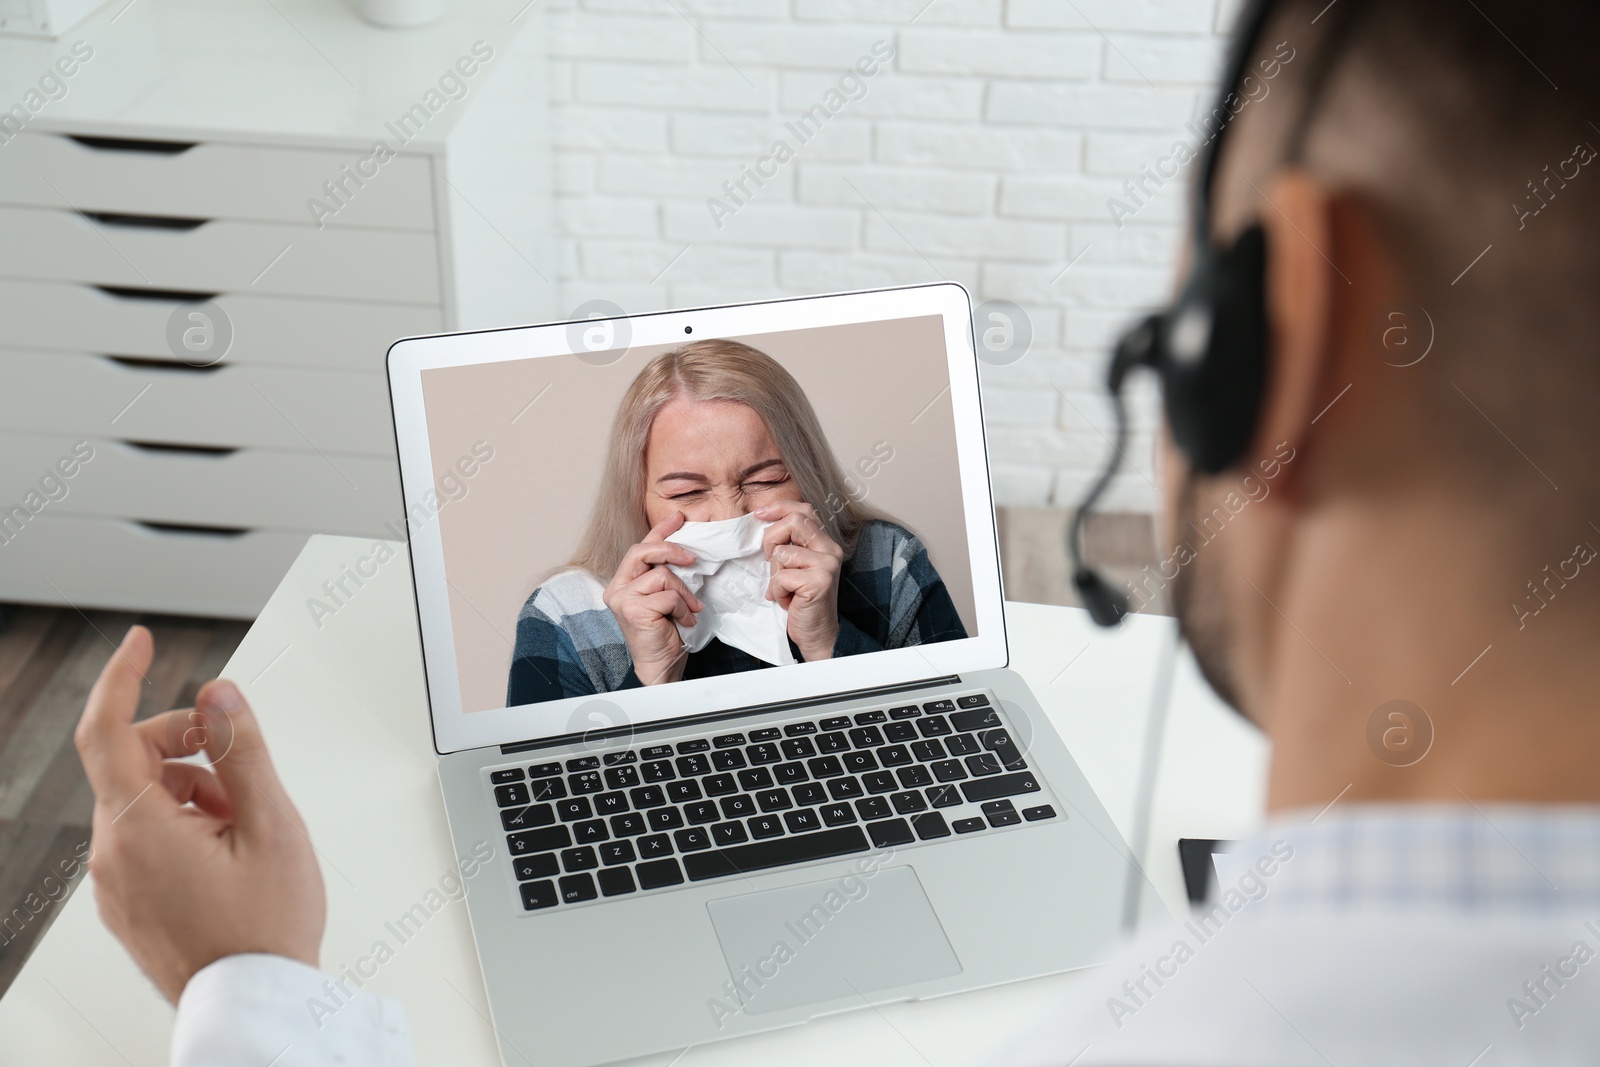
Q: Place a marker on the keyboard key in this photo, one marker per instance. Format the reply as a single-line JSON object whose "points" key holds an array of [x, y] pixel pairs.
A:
{"points": [[579, 859], [548, 789], [765, 826], [874, 808], [790, 773], [615, 852], [993, 807], [967, 826], [808, 794], [701, 812], [795, 729], [774, 800], [825, 767], [943, 796], [693, 766], [729, 833], [1043, 811], [1004, 748], [908, 802], [836, 814], [587, 782], [510, 774], [860, 762], [727, 740], [838, 722], [973, 700], [909, 711], [616, 759], [653, 846], [542, 865], [719, 785], [936, 707], [657, 771], [779, 852], [610, 804], [692, 839], [527, 818], [683, 792], [890, 833], [656, 752], [576, 888], [760, 754], [845, 789], [647, 796], [934, 725], [879, 782], [927, 751], [664, 819], [930, 825], [587, 833], [629, 825], [615, 882], [551, 837], [961, 744], [914, 776], [730, 759], [583, 763], [536, 895], [834, 742], [544, 770], [658, 874], [900, 732], [574, 809], [949, 770], [1004, 818], [738, 807], [798, 748], [983, 764], [802, 821], [975, 720], [771, 733], [1005, 785], [753, 778], [511, 796], [699, 744], [868, 718], [866, 737]]}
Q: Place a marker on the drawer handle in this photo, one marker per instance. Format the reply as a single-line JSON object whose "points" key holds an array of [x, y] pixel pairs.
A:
{"points": [[165, 296], [132, 144], [152, 363], [144, 222], [209, 451], [185, 528]]}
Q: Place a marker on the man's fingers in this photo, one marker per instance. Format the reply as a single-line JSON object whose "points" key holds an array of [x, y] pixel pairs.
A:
{"points": [[114, 758], [190, 784], [240, 758], [173, 734]]}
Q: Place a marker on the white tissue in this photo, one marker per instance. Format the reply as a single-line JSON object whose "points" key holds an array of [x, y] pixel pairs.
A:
{"points": [[730, 577]]}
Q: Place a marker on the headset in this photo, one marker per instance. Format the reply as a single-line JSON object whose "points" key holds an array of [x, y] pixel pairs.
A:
{"points": [[1209, 347]]}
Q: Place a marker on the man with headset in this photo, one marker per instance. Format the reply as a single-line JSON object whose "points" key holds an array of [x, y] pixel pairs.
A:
{"points": [[1389, 305]]}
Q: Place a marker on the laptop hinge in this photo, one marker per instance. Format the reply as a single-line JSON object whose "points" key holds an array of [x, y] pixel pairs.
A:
{"points": [[627, 730]]}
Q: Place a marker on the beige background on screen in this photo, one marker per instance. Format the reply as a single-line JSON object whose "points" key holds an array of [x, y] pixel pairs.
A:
{"points": [[525, 510]]}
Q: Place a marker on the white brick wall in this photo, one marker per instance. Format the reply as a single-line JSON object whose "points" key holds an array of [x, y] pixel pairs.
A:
{"points": [[985, 151]]}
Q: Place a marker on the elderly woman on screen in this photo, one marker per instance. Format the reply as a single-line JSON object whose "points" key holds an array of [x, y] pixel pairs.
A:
{"points": [[709, 433]]}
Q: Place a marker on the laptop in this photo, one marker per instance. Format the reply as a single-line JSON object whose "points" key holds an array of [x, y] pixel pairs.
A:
{"points": [[834, 797]]}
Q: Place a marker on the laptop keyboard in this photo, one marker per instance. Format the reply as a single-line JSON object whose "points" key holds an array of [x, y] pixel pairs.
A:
{"points": [[648, 817]]}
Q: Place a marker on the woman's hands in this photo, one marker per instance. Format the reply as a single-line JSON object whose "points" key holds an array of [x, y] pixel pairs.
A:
{"points": [[805, 575], [648, 601]]}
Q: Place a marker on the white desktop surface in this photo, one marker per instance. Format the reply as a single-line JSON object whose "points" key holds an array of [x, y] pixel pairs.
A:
{"points": [[344, 711]]}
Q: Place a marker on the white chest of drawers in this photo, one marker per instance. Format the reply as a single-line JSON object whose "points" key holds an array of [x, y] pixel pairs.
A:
{"points": [[176, 174]]}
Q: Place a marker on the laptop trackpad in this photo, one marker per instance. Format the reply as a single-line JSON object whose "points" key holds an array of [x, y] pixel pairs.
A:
{"points": [[824, 940]]}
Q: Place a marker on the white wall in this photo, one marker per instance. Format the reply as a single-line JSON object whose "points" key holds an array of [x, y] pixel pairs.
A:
{"points": [[986, 151]]}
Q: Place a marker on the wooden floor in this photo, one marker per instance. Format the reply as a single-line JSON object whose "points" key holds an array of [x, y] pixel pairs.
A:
{"points": [[49, 658]]}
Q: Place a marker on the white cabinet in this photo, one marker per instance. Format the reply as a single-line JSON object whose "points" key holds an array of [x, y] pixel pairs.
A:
{"points": [[207, 245]]}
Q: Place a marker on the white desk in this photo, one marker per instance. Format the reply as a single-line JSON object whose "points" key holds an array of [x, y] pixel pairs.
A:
{"points": [[344, 711]]}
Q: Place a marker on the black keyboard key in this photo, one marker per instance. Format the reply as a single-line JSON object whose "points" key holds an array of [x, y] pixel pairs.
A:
{"points": [[770, 733], [934, 725], [511, 796], [760, 754], [798, 748], [1043, 811], [908, 802], [967, 826], [992, 807], [795, 729], [610, 804], [943, 796], [579, 859], [699, 744], [729, 833], [629, 825], [616, 881], [836, 814], [574, 809], [653, 846], [803, 821], [868, 718], [774, 800], [860, 762], [765, 826], [779, 852], [656, 752], [587, 833], [683, 792], [834, 742], [790, 773], [914, 776], [825, 767], [548, 789], [845, 789], [583, 763], [984, 763], [738, 807], [961, 744], [753, 778], [615, 852], [808, 794], [949, 770], [587, 782], [838, 722], [692, 839], [664, 819], [1004, 818], [900, 732], [874, 808], [540, 865], [936, 707], [616, 759], [527, 818], [719, 785], [890, 833], [576, 888], [930, 825], [727, 740], [510, 774], [909, 711], [975, 720], [658, 874], [544, 770], [693, 766], [879, 782], [927, 751], [730, 759], [866, 737], [1004, 748], [1005, 785], [973, 700], [647, 796], [551, 837], [701, 812], [657, 771], [536, 895]]}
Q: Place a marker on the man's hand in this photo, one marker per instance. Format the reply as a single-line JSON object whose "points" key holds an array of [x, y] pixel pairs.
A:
{"points": [[193, 864]]}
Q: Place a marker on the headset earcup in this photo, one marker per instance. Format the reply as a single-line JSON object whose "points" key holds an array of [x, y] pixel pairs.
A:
{"points": [[1213, 355]]}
